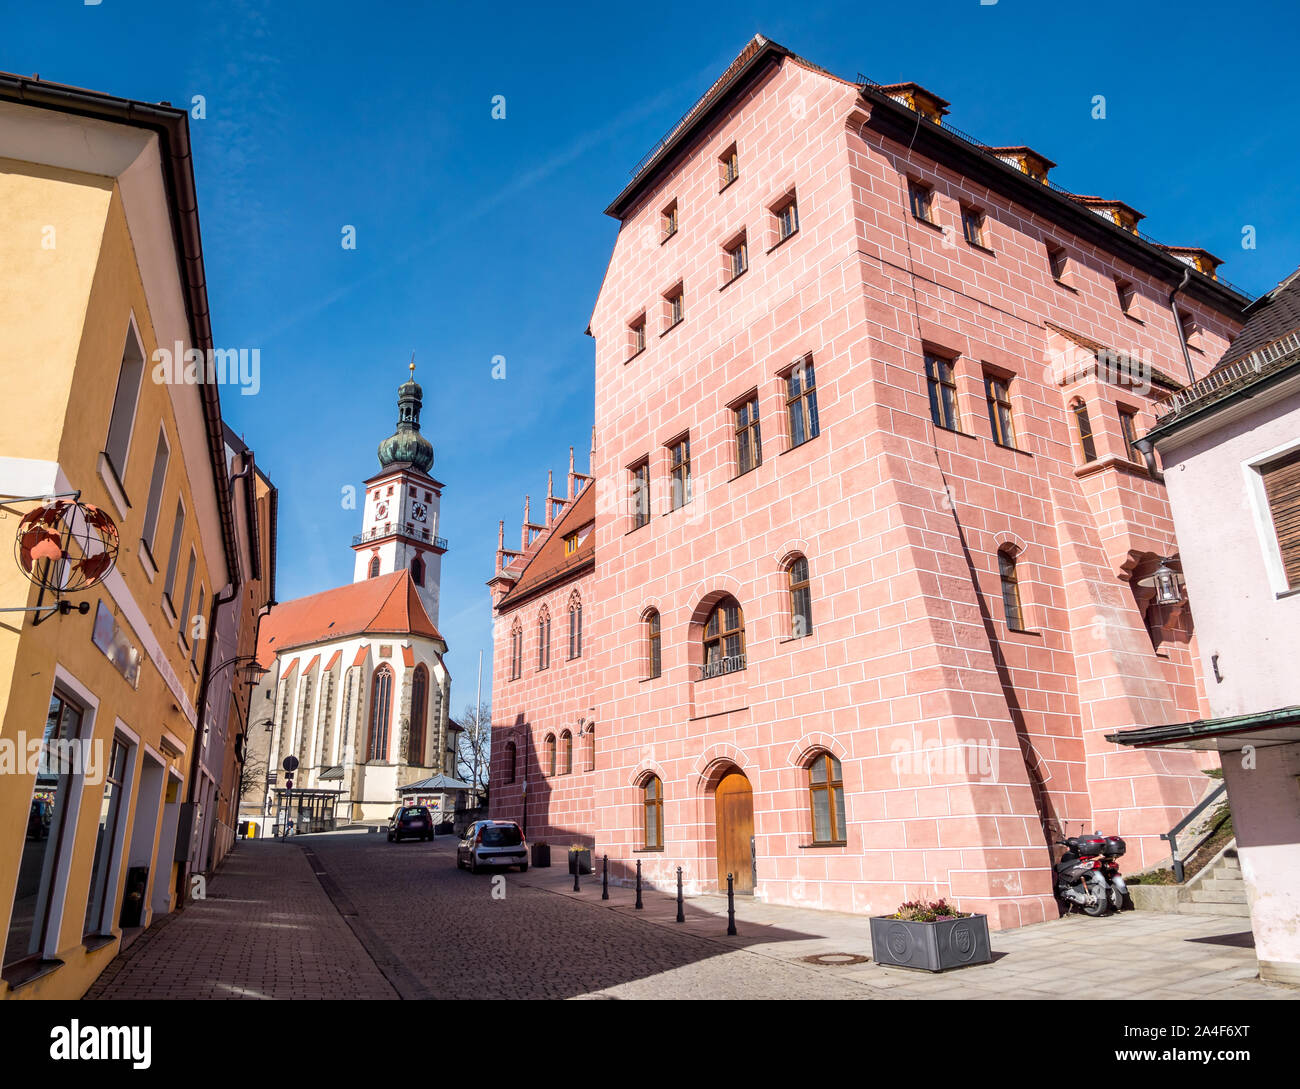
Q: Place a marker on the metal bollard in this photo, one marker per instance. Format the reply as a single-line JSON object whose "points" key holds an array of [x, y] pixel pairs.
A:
{"points": [[681, 914], [604, 877], [639, 905], [731, 907]]}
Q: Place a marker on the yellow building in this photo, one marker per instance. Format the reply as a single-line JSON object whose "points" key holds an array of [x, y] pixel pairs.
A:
{"points": [[101, 267]]}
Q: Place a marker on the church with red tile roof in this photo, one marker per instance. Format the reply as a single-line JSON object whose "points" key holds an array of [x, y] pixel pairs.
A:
{"points": [[356, 688]]}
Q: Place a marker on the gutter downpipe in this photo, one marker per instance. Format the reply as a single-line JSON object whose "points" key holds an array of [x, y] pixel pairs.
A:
{"points": [[183, 872], [1178, 324]]}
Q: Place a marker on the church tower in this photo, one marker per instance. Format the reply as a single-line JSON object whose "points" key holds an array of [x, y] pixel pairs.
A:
{"points": [[399, 528]]}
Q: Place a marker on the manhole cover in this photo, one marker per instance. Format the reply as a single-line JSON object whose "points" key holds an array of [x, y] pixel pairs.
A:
{"points": [[835, 959]]}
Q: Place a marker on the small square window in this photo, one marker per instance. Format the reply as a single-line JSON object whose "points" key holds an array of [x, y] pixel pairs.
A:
{"points": [[730, 165], [636, 336], [921, 198], [972, 225], [1127, 295], [673, 307], [1056, 260], [669, 221], [787, 219], [737, 258]]}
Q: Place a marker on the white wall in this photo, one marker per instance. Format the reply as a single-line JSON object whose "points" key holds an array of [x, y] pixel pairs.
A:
{"points": [[1229, 554]]}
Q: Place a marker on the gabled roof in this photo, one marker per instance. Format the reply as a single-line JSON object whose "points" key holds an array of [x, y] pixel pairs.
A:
{"points": [[387, 605], [1271, 317], [549, 564]]}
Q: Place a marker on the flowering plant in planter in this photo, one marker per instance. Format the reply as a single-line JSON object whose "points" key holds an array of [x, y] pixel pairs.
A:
{"points": [[931, 935], [922, 911], [579, 859]]}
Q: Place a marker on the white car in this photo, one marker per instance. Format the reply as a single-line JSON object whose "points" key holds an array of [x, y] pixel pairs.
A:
{"points": [[492, 845]]}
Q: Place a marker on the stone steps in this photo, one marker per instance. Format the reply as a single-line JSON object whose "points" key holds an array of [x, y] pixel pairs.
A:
{"points": [[1205, 908], [1219, 891]]}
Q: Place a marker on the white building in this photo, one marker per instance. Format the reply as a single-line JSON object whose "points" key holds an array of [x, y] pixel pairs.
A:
{"points": [[357, 690], [1230, 445]]}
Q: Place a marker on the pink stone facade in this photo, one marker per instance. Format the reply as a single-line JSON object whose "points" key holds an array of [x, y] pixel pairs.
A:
{"points": [[959, 739]]}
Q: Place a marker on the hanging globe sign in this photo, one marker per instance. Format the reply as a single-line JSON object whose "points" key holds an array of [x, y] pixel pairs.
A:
{"points": [[66, 547]]}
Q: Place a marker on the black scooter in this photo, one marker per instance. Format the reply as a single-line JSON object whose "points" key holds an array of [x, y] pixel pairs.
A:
{"points": [[1088, 876]]}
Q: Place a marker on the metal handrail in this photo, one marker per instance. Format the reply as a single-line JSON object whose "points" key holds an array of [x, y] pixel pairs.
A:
{"points": [[1172, 835], [1277, 351]]}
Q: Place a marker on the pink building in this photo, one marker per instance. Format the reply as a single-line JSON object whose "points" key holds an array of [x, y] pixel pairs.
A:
{"points": [[858, 579]]}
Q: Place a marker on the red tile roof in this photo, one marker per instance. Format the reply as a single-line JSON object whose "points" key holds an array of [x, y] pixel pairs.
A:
{"points": [[387, 605], [549, 564]]}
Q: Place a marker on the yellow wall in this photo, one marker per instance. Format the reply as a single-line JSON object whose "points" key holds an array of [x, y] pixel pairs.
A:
{"points": [[66, 314]]}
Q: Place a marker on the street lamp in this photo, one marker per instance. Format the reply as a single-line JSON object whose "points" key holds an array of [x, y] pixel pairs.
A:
{"points": [[1168, 584]]}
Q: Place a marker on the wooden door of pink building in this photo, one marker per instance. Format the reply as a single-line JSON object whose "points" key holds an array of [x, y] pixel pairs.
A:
{"points": [[734, 813]]}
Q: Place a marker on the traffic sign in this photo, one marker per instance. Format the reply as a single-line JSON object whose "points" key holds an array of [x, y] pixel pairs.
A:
{"points": [[290, 763]]}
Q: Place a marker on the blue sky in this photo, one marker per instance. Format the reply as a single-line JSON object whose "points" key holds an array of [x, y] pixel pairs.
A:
{"points": [[478, 237]]}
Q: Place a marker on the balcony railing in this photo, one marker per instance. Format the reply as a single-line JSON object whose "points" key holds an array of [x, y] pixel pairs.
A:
{"points": [[388, 529], [1270, 357], [720, 667]]}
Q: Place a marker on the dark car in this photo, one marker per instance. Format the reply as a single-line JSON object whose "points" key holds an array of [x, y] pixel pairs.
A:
{"points": [[410, 822], [492, 845]]}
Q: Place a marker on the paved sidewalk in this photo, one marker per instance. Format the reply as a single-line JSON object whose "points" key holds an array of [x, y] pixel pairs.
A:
{"points": [[266, 930], [1129, 955]]}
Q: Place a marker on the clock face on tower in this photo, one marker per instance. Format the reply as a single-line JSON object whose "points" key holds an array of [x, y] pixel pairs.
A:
{"points": [[419, 512], [381, 509]]}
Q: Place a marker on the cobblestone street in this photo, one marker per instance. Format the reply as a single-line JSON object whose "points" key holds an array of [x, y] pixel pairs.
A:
{"points": [[349, 915]]}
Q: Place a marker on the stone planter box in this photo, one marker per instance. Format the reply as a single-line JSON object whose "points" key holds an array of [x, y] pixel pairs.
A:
{"points": [[932, 947], [1155, 897], [580, 861], [541, 855]]}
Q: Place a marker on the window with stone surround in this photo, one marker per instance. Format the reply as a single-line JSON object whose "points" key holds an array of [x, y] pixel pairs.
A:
{"points": [[972, 226], [796, 572], [674, 303], [729, 164], [1126, 292], [801, 402], [122, 419], [512, 761], [381, 706], [941, 383], [668, 221], [724, 639], [1058, 262], [566, 753], [1128, 428], [1083, 429], [575, 625], [826, 795], [654, 645], [374, 566], [544, 639], [548, 747], [1010, 582], [997, 391], [652, 808], [516, 649], [419, 715], [640, 482], [591, 749], [735, 258], [920, 197], [679, 472], [749, 445], [785, 214], [636, 336]]}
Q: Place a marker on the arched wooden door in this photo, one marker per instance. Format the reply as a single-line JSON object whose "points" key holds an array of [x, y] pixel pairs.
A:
{"points": [[733, 803]]}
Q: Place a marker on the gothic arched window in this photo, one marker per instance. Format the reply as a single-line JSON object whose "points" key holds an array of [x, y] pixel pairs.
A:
{"points": [[550, 754], [566, 753], [575, 626], [419, 714], [800, 597], [544, 639], [516, 649], [512, 761], [381, 711], [374, 566], [417, 571]]}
